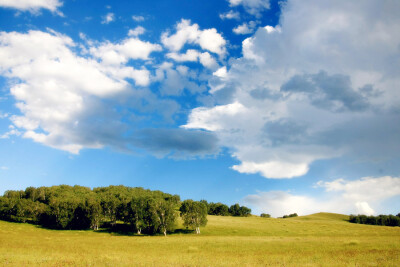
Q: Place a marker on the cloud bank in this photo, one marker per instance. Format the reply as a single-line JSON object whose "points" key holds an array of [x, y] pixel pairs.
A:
{"points": [[347, 197], [321, 84]]}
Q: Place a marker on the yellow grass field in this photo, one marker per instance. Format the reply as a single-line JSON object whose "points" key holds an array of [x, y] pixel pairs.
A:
{"points": [[321, 239]]}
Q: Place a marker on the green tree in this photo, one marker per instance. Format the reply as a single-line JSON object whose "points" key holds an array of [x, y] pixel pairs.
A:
{"points": [[136, 210], [165, 214], [194, 214]]}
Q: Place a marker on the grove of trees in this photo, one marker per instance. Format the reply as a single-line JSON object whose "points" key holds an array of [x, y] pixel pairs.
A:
{"points": [[77, 207], [290, 215], [223, 210], [138, 210], [386, 220]]}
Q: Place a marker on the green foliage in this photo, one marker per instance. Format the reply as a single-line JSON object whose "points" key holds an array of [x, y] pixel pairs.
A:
{"points": [[77, 207], [194, 214], [290, 215], [237, 210], [386, 220], [265, 215], [218, 209]]}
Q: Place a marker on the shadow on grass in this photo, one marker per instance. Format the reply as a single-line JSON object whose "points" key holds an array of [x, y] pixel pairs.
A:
{"points": [[118, 229]]}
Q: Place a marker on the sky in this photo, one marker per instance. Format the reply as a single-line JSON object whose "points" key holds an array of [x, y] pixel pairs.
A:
{"points": [[282, 106]]}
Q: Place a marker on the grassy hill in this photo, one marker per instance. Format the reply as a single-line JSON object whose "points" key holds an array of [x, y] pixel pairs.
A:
{"points": [[322, 239]]}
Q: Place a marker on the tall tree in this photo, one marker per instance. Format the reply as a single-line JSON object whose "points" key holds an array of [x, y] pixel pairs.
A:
{"points": [[194, 214]]}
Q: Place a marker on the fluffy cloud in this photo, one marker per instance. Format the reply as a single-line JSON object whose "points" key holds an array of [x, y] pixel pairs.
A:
{"points": [[32, 5], [130, 48], [253, 7], [230, 15], [322, 84], [137, 31], [187, 33], [356, 197], [205, 58], [108, 18], [68, 101], [174, 80], [245, 28]]}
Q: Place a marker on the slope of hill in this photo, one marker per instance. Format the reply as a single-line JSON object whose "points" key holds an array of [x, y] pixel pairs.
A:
{"points": [[321, 239]]}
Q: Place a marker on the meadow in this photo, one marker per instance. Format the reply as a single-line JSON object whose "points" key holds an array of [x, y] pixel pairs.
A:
{"points": [[322, 239]]}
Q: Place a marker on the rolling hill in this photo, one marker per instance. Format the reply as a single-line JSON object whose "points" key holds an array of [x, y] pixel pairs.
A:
{"points": [[322, 239]]}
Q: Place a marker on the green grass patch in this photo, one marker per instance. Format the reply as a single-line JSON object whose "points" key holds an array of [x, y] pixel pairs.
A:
{"points": [[321, 239]]}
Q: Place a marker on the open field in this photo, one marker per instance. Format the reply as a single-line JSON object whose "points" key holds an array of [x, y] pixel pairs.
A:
{"points": [[317, 240]]}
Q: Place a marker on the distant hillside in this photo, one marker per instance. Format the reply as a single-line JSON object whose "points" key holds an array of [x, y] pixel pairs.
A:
{"points": [[324, 216]]}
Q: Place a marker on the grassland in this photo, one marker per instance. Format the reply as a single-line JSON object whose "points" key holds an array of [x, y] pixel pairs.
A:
{"points": [[317, 240]]}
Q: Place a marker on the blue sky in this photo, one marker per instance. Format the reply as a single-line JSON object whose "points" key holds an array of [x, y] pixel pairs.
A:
{"points": [[282, 106]]}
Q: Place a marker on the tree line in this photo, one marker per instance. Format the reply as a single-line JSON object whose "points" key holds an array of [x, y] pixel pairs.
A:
{"points": [[77, 207], [386, 220], [221, 209]]}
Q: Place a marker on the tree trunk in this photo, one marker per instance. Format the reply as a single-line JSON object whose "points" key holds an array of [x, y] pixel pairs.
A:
{"points": [[139, 231], [165, 232]]}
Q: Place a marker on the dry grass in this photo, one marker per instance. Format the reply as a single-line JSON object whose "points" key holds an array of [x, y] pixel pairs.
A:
{"points": [[315, 240]]}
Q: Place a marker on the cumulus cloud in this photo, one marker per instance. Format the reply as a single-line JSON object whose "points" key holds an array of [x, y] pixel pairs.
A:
{"points": [[66, 101], [230, 15], [187, 33], [175, 79], [253, 7], [137, 31], [348, 197], [108, 18], [118, 53], [205, 58], [321, 84], [245, 28], [190, 55], [33, 5]]}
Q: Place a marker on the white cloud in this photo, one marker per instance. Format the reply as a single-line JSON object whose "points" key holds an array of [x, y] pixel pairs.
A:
{"points": [[190, 55], [208, 39], [174, 80], [65, 99], [12, 131], [245, 28], [138, 18], [365, 188], [33, 5], [4, 168], [273, 169], [253, 7], [206, 59], [221, 72], [348, 197], [230, 15], [139, 30], [108, 18], [309, 88], [3, 115], [130, 48]]}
